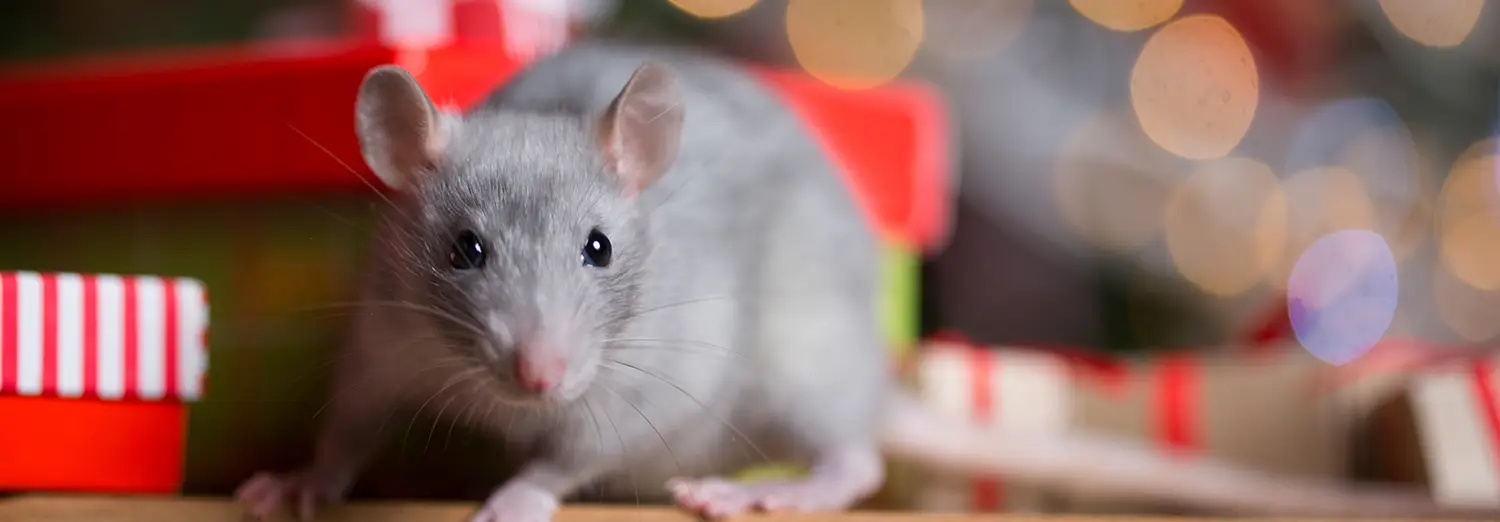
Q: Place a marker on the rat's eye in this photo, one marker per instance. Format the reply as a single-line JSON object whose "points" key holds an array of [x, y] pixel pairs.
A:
{"points": [[596, 252], [468, 251]]}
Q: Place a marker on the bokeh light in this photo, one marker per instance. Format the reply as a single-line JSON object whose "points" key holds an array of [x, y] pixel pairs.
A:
{"points": [[1342, 294], [714, 8], [1367, 138], [1110, 182], [854, 44], [1468, 231], [1127, 15], [1467, 311], [1320, 201], [1195, 87], [973, 29], [1435, 23], [1225, 225]]}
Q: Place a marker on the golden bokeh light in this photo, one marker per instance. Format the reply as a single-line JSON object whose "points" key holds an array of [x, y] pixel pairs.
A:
{"points": [[1320, 201], [1434, 23], [1127, 15], [1226, 225], [1467, 311], [854, 44], [1195, 88], [972, 29], [1468, 231], [1110, 181], [714, 8]]}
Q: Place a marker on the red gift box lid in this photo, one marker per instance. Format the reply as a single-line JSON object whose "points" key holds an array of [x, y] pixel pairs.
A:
{"points": [[276, 118]]}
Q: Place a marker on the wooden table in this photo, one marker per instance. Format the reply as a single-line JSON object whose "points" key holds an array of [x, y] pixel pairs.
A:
{"points": [[62, 508]]}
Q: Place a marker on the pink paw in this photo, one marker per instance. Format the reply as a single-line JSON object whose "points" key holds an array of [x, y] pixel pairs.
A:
{"points": [[718, 498], [265, 494], [518, 503]]}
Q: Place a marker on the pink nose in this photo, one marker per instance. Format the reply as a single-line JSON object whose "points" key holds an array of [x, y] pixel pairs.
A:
{"points": [[539, 373]]}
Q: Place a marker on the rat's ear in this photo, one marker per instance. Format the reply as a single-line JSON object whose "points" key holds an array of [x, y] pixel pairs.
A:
{"points": [[640, 131], [401, 133]]}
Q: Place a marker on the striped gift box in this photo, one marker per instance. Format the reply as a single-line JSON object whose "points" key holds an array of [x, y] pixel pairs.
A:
{"points": [[94, 374], [1014, 389], [1456, 416]]}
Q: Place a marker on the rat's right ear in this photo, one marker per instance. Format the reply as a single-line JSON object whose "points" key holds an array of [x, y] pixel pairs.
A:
{"points": [[401, 133]]}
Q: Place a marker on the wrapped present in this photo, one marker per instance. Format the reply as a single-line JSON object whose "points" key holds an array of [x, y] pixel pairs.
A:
{"points": [[94, 374], [1263, 413], [1442, 431], [1021, 390]]}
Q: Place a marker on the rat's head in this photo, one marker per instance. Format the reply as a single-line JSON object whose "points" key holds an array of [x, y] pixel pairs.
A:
{"points": [[524, 229]]}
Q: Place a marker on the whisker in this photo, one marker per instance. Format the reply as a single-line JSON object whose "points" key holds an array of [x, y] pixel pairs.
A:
{"points": [[346, 166], [681, 345], [637, 314], [465, 376], [638, 411], [621, 441], [430, 310], [359, 382], [700, 404], [455, 379]]}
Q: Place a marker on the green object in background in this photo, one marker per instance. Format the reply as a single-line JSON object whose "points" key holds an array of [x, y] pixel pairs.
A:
{"points": [[899, 295]]}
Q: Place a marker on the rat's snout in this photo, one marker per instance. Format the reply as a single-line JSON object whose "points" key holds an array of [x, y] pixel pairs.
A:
{"points": [[540, 371]]}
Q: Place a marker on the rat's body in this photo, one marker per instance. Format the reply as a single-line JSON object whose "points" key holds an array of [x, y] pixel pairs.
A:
{"points": [[636, 274], [742, 285]]}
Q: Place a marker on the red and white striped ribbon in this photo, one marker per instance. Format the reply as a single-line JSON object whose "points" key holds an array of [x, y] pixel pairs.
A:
{"points": [[530, 28], [103, 336]]}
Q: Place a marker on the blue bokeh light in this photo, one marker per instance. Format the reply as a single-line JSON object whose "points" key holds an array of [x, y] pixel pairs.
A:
{"points": [[1342, 295]]}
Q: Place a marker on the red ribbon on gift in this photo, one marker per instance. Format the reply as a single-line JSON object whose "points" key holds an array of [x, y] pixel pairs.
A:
{"points": [[1176, 377], [1484, 387], [986, 494]]}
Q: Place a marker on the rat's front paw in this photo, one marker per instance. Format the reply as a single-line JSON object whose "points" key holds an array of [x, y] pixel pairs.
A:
{"points": [[518, 503], [266, 493]]}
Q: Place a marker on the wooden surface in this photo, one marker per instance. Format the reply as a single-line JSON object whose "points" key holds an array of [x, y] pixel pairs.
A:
{"points": [[60, 508]]}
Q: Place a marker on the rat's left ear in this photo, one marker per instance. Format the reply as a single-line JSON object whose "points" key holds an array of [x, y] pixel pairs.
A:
{"points": [[640, 131], [401, 133]]}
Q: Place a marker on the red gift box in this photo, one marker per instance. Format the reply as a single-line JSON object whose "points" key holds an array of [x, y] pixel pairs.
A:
{"points": [[95, 372]]}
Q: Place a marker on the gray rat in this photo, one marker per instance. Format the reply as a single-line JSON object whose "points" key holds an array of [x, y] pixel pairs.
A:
{"points": [[635, 267]]}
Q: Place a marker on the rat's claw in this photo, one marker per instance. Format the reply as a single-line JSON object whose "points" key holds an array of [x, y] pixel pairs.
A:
{"points": [[265, 494], [261, 495], [713, 497]]}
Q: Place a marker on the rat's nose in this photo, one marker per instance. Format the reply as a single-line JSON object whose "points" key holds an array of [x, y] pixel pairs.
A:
{"points": [[539, 373]]}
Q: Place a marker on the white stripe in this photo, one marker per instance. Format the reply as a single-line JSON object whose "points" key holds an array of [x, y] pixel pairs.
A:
{"points": [[110, 383], [29, 308], [69, 335], [191, 321], [943, 378], [1032, 392], [1456, 446], [150, 324]]}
